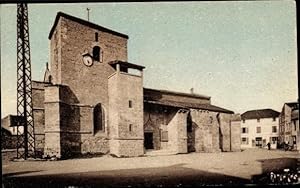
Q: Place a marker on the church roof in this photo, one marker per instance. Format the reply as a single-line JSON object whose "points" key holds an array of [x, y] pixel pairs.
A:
{"points": [[187, 105], [153, 96], [83, 22], [193, 95], [260, 113]]}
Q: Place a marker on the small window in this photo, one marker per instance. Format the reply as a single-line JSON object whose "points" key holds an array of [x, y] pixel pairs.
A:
{"points": [[96, 37], [244, 121], [258, 120], [244, 140], [96, 53], [258, 129], [244, 130], [130, 127], [130, 104], [274, 118], [274, 129]]}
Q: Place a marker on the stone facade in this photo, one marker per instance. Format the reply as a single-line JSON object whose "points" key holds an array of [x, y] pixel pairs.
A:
{"points": [[90, 102], [289, 130], [126, 114]]}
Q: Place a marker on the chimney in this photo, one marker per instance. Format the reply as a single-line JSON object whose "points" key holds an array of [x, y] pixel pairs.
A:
{"points": [[192, 90]]}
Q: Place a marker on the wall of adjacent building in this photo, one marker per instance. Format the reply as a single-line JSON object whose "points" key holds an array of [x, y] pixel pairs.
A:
{"points": [[266, 125], [287, 125]]}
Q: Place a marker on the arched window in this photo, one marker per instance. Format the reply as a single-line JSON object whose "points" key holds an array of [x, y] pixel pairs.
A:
{"points": [[96, 53], [99, 118]]}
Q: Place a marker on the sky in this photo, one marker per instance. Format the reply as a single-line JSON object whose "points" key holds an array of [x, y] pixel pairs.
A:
{"points": [[242, 54]]}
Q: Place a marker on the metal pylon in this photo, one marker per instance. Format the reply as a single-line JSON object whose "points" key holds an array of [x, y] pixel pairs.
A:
{"points": [[26, 140]]}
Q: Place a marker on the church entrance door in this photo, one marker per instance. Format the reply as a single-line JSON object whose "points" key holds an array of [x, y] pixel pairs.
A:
{"points": [[148, 140]]}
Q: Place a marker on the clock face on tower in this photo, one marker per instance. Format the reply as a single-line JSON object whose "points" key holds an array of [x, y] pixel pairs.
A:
{"points": [[87, 60]]}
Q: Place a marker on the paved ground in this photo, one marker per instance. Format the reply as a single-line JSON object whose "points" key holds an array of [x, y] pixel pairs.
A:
{"points": [[185, 169]]}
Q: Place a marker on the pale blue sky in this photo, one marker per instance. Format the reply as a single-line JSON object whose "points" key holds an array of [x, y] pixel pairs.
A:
{"points": [[242, 54]]}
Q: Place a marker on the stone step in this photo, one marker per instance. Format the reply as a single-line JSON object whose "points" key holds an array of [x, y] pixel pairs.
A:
{"points": [[159, 152]]}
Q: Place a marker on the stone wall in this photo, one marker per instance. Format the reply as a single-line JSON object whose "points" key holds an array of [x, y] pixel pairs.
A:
{"points": [[125, 121], [38, 109], [225, 132], [69, 42], [52, 122], [70, 125], [177, 132], [206, 130], [235, 132], [156, 120], [127, 147], [230, 132]]}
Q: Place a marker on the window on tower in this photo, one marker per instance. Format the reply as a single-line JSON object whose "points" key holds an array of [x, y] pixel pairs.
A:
{"points": [[96, 37]]}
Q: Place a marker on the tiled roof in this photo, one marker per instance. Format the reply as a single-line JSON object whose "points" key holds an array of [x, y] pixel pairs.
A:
{"points": [[189, 105], [83, 22], [261, 113], [150, 91]]}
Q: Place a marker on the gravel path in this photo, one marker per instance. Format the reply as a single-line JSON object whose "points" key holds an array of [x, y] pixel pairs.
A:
{"points": [[226, 166]]}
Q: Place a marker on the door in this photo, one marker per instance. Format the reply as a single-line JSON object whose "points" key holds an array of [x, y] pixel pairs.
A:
{"points": [[258, 141], [148, 140]]}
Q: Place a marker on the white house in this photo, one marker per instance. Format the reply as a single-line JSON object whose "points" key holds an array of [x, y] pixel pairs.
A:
{"points": [[259, 127]]}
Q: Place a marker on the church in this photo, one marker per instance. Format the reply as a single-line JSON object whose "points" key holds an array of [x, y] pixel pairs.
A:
{"points": [[92, 100]]}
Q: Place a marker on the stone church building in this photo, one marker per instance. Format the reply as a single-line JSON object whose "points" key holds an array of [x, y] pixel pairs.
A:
{"points": [[93, 100]]}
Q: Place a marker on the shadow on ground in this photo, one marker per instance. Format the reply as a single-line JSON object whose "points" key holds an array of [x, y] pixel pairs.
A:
{"points": [[273, 165], [176, 175]]}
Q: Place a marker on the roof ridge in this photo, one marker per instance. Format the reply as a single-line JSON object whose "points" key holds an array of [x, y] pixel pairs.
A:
{"points": [[180, 93], [84, 22]]}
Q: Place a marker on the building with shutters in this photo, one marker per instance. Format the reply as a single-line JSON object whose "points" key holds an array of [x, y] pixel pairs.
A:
{"points": [[258, 127], [289, 130]]}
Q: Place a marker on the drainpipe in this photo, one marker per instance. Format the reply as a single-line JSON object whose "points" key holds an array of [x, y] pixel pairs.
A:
{"points": [[230, 134]]}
